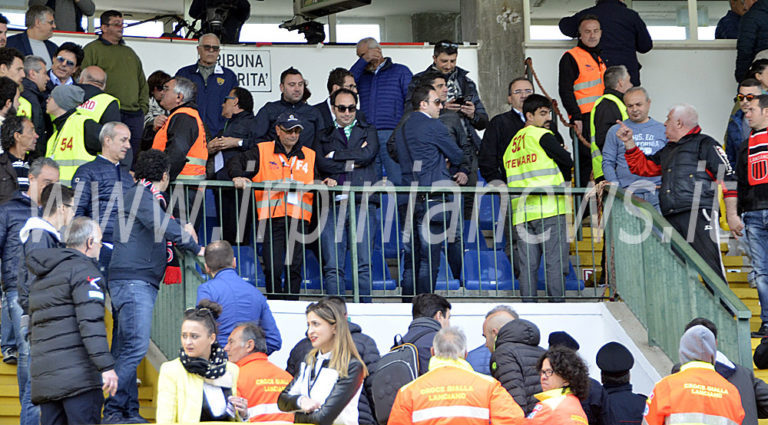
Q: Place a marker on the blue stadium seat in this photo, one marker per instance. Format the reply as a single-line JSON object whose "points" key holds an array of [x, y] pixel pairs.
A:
{"points": [[249, 266], [572, 281], [488, 270], [381, 279], [476, 242], [311, 272], [445, 280], [488, 212]]}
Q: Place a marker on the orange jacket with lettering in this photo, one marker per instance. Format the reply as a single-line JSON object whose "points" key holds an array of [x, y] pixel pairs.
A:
{"points": [[452, 393], [695, 395], [261, 382], [275, 167], [558, 406], [197, 155], [589, 86]]}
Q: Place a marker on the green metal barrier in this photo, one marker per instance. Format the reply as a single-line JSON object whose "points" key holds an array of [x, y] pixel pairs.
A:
{"points": [[666, 283]]}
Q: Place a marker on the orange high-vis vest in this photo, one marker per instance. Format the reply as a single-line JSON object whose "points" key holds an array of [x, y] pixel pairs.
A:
{"points": [[589, 86], [558, 406], [197, 155], [261, 382], [452, 393], [697, 395], [277, 167]]}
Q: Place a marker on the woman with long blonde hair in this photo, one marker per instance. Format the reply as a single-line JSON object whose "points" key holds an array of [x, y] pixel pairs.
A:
{"points": [[326, 389]]}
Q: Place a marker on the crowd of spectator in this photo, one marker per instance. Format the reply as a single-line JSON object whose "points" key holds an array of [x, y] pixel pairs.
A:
{"points": [[91, 147]]}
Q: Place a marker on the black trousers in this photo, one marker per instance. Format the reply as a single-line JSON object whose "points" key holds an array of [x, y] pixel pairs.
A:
{"points": [[282, 236], [84, 408], [703, 237]]}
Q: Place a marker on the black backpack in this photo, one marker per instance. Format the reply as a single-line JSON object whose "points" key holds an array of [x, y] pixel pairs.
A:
{"points": [[393, 370]]}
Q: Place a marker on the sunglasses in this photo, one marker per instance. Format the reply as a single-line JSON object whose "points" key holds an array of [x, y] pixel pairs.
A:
{"points": [[449, 48], [740, 97], [522, 91], [294, 130], [230, 97], [64, 61], [436, 101], [211, 48], [345, 108]]}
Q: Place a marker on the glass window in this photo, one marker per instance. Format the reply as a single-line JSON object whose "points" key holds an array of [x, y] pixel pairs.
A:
{"points": [[352, 33]]}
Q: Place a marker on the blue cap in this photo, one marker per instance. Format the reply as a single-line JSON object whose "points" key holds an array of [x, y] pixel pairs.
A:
{"points": [[288, 120]]}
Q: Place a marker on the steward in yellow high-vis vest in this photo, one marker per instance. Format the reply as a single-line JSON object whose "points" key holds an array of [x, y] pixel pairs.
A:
{"points": [[534, 158], [608, 109], [75, 140], [97, 105], [25, 108]]}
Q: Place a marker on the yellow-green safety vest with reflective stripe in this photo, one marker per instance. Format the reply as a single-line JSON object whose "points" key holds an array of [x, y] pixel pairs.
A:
{"points": [[597, 156], [67, 147], [94, 107], [528, 165], [25, 108]]}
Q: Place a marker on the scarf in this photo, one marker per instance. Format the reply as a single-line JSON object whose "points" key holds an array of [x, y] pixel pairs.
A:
{"points": [[212, 368], [172, 268]]}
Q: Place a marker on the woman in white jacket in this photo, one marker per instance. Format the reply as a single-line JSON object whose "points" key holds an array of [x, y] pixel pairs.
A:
{"points": [[327, 387]]}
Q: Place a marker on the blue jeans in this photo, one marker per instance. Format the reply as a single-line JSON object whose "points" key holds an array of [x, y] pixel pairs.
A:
{"points": [[385, 165], [30, 414], [132, 304], [7, 338], [335, 242], [756, 223]]}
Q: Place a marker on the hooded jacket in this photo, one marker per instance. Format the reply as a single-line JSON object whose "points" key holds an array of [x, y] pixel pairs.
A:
{"points": [[37, 233], [753, 391], [383, 93], [421, 332], [68, 342], [513, 362]]}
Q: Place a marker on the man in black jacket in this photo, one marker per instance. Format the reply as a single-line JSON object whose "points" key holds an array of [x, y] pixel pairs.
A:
{"points": [[35, 93], [236, 137], [624, 32], [292, 85], [366, 347], [13, 214], [606, 111], [347, 153], [682, 177], [138, 263], [430, 312], [339, 78], [514, 346], [71, 363], [39, 233]]}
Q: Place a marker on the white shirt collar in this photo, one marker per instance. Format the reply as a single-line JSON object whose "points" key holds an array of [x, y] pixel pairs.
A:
{"points": [[330, 107], [56, 82]]}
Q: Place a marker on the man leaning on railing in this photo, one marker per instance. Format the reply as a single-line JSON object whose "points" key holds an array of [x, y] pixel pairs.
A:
{"points": [[284, 214]]}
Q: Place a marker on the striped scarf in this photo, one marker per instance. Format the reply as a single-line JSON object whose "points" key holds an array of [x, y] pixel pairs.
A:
{"points": [[172, 267]]}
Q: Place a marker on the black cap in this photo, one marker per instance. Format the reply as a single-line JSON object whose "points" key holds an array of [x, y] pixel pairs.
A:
{"points": [[562, 338], [614, 358]]}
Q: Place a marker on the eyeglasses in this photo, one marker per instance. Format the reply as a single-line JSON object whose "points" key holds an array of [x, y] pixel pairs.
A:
{"points": [[294, 130], [114, 24], [211, 48], [547, 372], [523, 91], [740, 97], [436, 101], [345, 108], [64, 61], [230, 97]]}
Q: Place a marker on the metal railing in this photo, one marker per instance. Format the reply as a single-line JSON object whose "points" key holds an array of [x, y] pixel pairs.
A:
{"points": [[666, 283]]}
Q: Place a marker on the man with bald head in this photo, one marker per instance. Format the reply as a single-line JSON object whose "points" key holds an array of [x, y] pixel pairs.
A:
{"points": [[514, 346], [688, 193], [213, 81], [97, 105]]}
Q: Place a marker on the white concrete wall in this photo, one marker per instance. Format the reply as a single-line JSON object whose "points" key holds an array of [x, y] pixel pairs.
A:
{"points": [[700, 74], [591, 324]]}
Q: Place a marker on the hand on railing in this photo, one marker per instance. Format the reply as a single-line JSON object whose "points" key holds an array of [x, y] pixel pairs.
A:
{"points": [[329, 182], [460, 178], [201, 252], [241, 182]]}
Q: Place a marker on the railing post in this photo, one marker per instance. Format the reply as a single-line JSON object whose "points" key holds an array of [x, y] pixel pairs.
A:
{"points": [[352, 241]]}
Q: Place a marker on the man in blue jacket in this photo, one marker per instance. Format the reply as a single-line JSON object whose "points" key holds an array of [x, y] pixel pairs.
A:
{"points": [[34, 41], [292, 86], [213, 81], [424, 145], [138, 263], [101, 183], [624, 32], [382, 86], [347, 153], [240, 300], [753, 37]]}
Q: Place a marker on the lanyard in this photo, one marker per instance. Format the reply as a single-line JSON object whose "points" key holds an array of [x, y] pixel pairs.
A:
{"points": [[286, 164], [313, 377]]}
